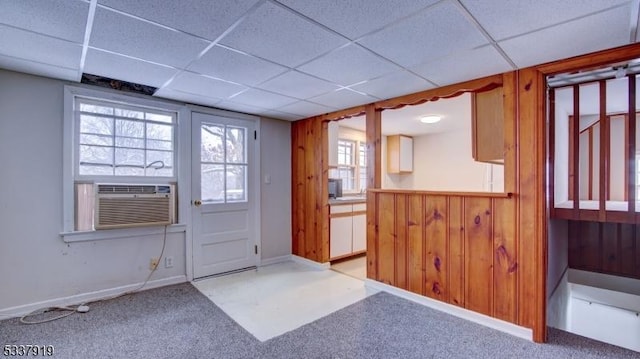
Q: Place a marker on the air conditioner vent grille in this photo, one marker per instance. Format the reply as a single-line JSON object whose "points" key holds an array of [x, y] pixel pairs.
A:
{"points": [[127, 189]]}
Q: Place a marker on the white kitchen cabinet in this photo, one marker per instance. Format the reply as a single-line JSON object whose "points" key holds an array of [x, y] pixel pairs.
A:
{"points": [[399, 154], [332, 127], [348, 230]]}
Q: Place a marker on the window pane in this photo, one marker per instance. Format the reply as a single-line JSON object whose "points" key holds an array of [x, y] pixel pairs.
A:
{"points": [[129, 171], [159, 132], [236, 183], [212, 183], [348, 178], [100, 140], [129, 113], [212, 148], [159, 145], [159, 118], [96, 170], [96, 125], [96, 155], [158, 159], [105, 110], [129, 142], [345, 152], [129, 128], [129, 157], [236, 145], [363, 154]]}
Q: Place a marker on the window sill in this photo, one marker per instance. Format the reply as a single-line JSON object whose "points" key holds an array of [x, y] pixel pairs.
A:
{"points": [[85, 236]]}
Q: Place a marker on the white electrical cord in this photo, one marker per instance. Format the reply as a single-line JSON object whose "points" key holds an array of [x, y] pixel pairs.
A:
{"points": [[84, 307]]}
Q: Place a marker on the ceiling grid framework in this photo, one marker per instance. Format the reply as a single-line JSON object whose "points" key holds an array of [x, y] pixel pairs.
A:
{"points": [[291, 59]]}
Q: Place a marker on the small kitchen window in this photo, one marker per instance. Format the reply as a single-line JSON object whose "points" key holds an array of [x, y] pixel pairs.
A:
{"points": [[351, 166]]}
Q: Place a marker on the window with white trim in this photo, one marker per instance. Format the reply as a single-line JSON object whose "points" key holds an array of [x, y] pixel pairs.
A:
{"points": [[352, 164], [117, 140]]}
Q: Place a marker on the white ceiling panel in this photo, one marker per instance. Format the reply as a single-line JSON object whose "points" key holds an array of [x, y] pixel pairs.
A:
{"points": [[186, 97], [349, 65], [463, 66], [204, 86], [263, 99], [63, 19], [355, 18], [236, 67], [127, 69], [504, 19], [433, 33], [343, 99], [281, 115], [603, 30], [393, 85], [298, 85], [37, 68], [205, 18], [240, 107], [276, 34], [39, 48], [123, 34], [306, 109]]}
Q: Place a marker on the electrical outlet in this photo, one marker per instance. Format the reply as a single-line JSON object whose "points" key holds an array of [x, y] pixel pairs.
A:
{"points": [[154, 263], [168, 262]]}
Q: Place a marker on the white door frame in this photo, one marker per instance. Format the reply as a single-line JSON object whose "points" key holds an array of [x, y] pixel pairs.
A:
{"points": [[185, 178]]}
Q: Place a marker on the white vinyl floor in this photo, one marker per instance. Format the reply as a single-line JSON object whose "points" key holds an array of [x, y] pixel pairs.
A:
{"points": [[274, 299]]}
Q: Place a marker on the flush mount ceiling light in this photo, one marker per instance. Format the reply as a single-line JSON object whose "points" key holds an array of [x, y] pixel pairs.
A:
{"points": [[430, 119]]}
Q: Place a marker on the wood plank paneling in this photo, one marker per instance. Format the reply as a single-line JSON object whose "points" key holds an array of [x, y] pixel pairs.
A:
{"points": [[415, 236], [401, 245], [436, 254], [610, 248], [456, 251], [505, 261], [386, 237], [372, 235], [479, 266]]}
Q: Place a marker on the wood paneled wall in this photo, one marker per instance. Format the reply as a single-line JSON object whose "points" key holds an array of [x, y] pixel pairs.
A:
{"points": [[457, 249], [610, 248]]}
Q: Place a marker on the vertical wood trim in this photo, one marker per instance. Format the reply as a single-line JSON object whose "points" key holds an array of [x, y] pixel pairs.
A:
{"points": [[298, 197], [576, 151], [510, 89], [532, 229], [505, 259], [386, 237], [572, 154], [322, 189], [631, 164], [590, 183], [401, 241], [373, 250], [456, 252], [603, 192], [415, 258], [626, 157], [373, 119], [552, 151]]}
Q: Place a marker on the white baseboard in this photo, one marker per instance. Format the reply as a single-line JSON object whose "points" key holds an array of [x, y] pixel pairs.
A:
{"points": [[275, 260], [310, 263], [21, 310], [497, 324]]}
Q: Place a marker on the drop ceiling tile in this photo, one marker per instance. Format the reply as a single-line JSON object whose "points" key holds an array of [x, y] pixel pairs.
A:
{"points": [[433, 33], [393, 85], [306, 109], [463, 66], [355, 18], [186, 97], [63, 19], [126, 35], [239, 107], [298, 85], [342, 99], [127, 69], [263, 99], [205, 18], [35, 68], [281, 115], [348, 65], [597, 32], [204, 86], [279, 35], [502, 19], [39, 48], [236, 67]]}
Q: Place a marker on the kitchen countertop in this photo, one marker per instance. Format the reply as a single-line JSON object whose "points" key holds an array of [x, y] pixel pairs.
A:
{"points": [[348, 200]]}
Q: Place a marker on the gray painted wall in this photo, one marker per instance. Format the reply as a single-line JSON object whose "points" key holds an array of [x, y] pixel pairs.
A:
{"points": [[35, 263]]}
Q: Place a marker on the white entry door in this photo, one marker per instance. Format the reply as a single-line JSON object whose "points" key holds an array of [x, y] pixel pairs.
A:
{"points": [[224, 203]]}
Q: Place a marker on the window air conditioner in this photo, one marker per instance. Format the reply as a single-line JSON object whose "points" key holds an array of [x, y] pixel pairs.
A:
{"points": [[121, 206]]}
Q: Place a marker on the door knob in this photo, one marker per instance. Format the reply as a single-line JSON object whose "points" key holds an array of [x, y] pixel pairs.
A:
{"points": [[197, 203]]}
